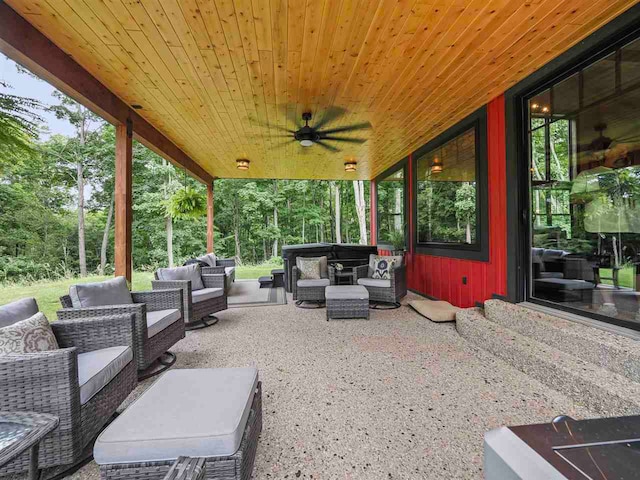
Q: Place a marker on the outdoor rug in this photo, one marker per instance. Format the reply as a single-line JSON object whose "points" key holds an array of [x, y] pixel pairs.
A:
{"points": [[247, 293]]}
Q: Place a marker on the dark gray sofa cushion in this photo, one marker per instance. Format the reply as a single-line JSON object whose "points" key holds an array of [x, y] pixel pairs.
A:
{"points": [[110, 292], [16, 311]]}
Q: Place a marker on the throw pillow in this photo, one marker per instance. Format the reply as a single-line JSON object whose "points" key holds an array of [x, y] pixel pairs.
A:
{"points": [[309, 268], [382, 268], [28, 336]]}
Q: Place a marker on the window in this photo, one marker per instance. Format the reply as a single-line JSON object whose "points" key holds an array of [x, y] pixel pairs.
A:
{"points": [[391, 204], [583, 143], [451, 192]]}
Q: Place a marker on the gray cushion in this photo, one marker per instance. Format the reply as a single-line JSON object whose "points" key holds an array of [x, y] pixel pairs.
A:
{"points": [[97, 368], [206, 294], [346, 292], [19, 310], [324, 264], [161, 319], [551, 275], [374, 282], [309, 268], [28, 336], [209, 259], [191, 412], [109, 292], [563, 284], [318, 282], [188, 272]]}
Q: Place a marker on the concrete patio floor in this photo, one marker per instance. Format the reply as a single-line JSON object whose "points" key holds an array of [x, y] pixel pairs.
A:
{"points": [[393, 397]]}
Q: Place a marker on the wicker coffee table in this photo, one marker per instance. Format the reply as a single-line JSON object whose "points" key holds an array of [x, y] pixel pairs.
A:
{"points": [[347, 301], [22, 431]]}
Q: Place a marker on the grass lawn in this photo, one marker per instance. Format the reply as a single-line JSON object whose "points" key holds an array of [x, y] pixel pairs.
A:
{"points": [[626, 277], [48, 293]]}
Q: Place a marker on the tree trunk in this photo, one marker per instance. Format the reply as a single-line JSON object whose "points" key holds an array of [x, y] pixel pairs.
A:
{"points": [[361, 210], [82, 256], [337, 210], [274, 250], [168, 222], [303, 230], [397, 219], [105, 237], [468, 233]]}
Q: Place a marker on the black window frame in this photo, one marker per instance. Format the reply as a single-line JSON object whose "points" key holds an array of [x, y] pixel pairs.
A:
{"points": [[401, 165], [614, 35], [478, 251]]}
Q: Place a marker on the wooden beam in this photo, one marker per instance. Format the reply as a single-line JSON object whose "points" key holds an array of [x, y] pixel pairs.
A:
{"points": [[373, 212], [210, 217], [23, 43], [123, 200]]}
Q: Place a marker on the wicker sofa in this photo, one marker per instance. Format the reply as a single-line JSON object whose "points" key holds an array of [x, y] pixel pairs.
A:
{"points": [[383, 291], [59, 382], [158, 320], [199, 303]]}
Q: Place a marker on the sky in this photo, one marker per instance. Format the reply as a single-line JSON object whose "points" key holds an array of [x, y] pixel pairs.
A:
{"points": [[25, 85]]}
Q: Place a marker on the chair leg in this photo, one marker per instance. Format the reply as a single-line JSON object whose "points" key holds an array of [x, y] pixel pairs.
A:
{"points": [[205, 322], [384, 305], [162, 364]]}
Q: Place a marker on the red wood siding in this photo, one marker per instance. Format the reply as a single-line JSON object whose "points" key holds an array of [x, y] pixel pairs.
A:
{"points": [[441, 277]]}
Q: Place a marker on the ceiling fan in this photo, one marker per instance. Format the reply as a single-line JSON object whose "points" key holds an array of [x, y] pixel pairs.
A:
{"points": [[308, 136]]}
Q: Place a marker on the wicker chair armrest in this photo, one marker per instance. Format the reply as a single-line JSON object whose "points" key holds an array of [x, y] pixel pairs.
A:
{"points": [[332, 274], [212, 270], [139, 311], [214, 281], [45, 382], [225, 262], [361, 271], [89, 334], [160, 299], [294, 281]]}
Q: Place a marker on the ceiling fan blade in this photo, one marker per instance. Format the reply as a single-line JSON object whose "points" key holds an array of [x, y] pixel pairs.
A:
{"points": [[347, 140], [330, 115], [283, 144], [347, 128], [327, 146], [275, 127]]}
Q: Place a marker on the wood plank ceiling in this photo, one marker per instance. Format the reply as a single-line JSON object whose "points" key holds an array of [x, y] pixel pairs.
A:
{"points": [[211, 73]]}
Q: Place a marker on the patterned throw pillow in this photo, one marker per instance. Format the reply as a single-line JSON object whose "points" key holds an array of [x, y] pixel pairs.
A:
{"points": [[309, 268], [28, 336], [382, 267]]}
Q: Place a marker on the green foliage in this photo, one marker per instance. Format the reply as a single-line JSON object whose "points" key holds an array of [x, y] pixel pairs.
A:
{"points": [[18, 125], [187, 204]]}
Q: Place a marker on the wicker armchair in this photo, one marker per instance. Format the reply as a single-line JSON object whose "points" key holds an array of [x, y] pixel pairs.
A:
{"points": [[217, 266], [148, 346], [383, 291], [48, 382], [308, 290], [198, 312]]}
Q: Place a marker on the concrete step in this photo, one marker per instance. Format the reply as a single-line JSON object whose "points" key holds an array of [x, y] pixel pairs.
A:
{"points": [[600, 390], [613, 352]]}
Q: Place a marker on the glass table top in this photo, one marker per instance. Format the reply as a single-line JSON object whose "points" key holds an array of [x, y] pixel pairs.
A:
{"points": [[12, 432]]}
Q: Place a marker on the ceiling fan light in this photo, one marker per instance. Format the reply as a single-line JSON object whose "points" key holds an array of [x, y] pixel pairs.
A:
{"points": [[242, 164], [306, 143], [350, 166]]}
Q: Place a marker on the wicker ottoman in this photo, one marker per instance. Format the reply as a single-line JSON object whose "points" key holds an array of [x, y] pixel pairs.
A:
{"points": [[347, 301], [215, 414]]}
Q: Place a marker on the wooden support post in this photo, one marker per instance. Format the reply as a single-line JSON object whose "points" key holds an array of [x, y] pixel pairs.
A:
{"points": [[123, 200], [210, 217], [373, 212]]}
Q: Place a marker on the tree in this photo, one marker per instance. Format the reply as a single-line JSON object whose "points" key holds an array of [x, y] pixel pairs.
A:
{"points": [[465, 206], [19, 123], [75, 150], [358, 187]]}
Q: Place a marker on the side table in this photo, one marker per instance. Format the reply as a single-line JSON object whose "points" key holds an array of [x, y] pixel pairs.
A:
{"points": [[21, 431], [344, 277], [278, 277]]}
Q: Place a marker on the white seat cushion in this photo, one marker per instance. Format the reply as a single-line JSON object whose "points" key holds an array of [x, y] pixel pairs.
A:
{"points": [[228, 271], [374, 282], [190, 412], [96, 369], [314, 282], [161, 319], [346, 292], [206, 294]]}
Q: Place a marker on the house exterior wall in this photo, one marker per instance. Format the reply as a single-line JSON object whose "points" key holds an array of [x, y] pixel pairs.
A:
{"points": [[442, 277]]}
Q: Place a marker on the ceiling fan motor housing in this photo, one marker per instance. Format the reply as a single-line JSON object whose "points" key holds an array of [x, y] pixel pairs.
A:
{"points": [[306, 136]]}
